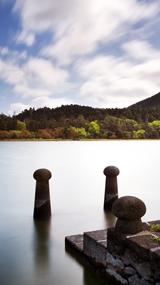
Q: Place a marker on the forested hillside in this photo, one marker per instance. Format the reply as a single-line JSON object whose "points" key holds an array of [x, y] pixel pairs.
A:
{"points": [[80, 122], [149, 103]]}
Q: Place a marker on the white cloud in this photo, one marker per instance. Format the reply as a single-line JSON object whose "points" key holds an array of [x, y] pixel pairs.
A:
{"points": [[25, 37], [141, 50], [4, 50], [120, 82], [41, 102], [79, 26], [23, 55], [36, 77], [80, 31], [102, 21], [17, 108], [25, 91], [13, 55], [11, 73], [42, 73]]}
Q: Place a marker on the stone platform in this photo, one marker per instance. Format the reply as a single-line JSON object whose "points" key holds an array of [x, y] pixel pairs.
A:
{"points": [[120, 258]]}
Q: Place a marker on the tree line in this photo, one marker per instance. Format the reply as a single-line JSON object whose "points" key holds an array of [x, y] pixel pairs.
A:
{"points": [[81, 122]]}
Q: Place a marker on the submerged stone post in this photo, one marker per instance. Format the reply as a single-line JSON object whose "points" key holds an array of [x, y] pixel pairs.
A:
{"points": [[42, 207], [111, 188], [129, 210]]}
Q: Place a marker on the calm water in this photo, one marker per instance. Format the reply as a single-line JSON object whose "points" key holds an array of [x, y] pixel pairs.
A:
{"points": [[34, 253]]}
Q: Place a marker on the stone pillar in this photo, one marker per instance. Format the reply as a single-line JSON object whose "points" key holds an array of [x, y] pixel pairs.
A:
{"points": [[129, 210], [42, 207], [111, 188]]}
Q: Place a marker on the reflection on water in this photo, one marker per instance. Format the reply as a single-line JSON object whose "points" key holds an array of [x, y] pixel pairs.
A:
{"points": [[41, 246], [91, 278], [110, 219], [34, 253]]}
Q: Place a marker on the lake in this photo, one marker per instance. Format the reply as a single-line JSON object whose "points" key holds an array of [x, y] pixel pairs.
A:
{"points": [[34, 252]]}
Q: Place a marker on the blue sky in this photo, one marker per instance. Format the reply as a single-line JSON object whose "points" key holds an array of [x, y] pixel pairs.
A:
{"points": [[98, 53]]}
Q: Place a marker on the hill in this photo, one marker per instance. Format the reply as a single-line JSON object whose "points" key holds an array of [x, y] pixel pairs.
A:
{"points": [[149, 103], [81, 122]]}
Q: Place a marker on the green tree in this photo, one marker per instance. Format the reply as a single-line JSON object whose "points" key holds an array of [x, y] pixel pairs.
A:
{"points": [[81, 133], [132, 125], [140, 134], [94, 128], [80, 121], [21, 126], [152, 133], [155, 124]]}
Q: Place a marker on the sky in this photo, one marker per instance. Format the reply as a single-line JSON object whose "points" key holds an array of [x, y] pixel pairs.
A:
{"points": [[98, 53]]}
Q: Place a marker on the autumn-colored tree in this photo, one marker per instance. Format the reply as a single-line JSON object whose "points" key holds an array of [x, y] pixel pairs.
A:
{"points": [[4, 135], [44, 134], [58, 133], [25, 134]]}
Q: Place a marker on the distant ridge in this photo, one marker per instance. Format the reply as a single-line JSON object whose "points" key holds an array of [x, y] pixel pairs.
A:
{"points": [[149, 103]]}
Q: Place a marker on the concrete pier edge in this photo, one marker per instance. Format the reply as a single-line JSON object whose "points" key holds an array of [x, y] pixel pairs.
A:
{"points": [[120, 258]]}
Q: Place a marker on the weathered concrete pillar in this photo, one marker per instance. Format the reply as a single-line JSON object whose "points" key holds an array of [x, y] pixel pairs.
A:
{"points": [[129, 210], [111, 188], [42, 207]]}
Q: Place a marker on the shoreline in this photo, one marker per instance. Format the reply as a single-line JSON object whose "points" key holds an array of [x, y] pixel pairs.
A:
{"points": [[71, 140]]}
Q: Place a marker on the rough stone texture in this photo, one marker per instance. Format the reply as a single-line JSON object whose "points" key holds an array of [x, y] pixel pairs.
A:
{"points": [[129, 211], [155, 251], [129, 208], [140, 246], [154, 222], [145, 282], [75, 242], [126, 259], [114, 261], [150, 280], [95, 245], [116, 242], [101, 252], [115, 277], [129, 271], [129, 227], [90, 246], [143, 269], [135, 280], [155, 262]]}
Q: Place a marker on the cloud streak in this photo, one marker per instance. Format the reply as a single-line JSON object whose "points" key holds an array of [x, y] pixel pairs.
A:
{"points": [[36, 77], [79, 26], [93, 52], [108, 78]]}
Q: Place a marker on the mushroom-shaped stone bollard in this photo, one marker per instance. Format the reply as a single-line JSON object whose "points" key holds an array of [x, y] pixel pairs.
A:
{"points": [[42, 207], [111, 188], [129, 210]]}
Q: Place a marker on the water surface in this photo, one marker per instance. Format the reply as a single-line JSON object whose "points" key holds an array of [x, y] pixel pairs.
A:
{"points": [[34, 253]]}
